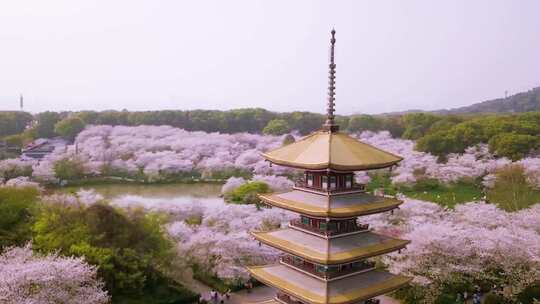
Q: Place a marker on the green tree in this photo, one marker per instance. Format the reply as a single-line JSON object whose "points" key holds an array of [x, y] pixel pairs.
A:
{"points": [[439, 143], [89, 117], [393, 124], [276, 127], [511, 190], [304, 122], [512, 145], [288, 139], [45, 125], [17, 206], [68, 169], [13, 122], [529, 294], [445, 123], [493, 298], [247, 193], [364, 123], [69, 127], [417, 124], [128, 246]]}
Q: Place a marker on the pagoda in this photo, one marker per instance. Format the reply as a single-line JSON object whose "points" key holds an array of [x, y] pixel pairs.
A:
{"points": [[326, 249]]}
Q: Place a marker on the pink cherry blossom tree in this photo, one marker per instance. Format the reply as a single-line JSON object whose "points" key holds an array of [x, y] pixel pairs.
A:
{"points": [[26, 277]]}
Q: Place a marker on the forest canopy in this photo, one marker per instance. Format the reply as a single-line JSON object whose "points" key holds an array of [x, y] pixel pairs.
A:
{"points": [[510, 135]]}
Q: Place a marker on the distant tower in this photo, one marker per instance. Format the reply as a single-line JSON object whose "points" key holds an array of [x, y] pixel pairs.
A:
{"points": [[506, 94], [21, 102]]}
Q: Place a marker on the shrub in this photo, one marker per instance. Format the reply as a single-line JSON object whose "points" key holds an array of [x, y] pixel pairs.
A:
{"points": [[247, 193], [276, 127], [69, 169], [287, 140], [427, 184], [492, 298], [530, 294], [511, 191], [17, 206]]}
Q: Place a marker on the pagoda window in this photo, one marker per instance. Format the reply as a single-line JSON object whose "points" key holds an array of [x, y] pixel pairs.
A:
{"points": [[310, 180], [333, 182], [322, 226], [332, 226], [305, 220], [297, 261], [321, 268], [348, 181], [325, 182], [333, 268]]}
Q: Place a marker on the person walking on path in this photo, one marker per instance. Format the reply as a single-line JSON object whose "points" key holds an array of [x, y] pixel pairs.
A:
{"points": [[214, 296], [476, 298]]}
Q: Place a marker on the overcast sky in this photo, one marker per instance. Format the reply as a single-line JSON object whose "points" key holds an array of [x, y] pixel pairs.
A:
{"points": [[148, 55]]}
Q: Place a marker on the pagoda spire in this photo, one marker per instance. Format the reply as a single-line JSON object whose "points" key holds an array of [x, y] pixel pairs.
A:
{"points": [[330, 124]]}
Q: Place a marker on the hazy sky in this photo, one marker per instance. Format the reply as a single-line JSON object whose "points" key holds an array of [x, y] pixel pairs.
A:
{"points": [[142, 55]]}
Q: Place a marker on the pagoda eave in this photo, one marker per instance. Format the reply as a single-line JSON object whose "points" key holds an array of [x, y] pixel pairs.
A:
{"points": [[315, 250], [352, 289], [327, 166], [324, 210]]}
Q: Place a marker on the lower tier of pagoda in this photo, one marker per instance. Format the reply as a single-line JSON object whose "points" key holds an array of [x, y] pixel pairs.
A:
{"points": [[330, 206], [349, 289], [330, 251]]}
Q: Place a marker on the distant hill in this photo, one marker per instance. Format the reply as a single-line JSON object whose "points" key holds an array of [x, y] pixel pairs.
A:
{"points": [[520, 102]]}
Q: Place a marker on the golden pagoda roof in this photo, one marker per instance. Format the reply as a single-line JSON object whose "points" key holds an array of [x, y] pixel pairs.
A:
{"points": [[330, 251], [343, 205], [331, 150], [350, 289]]}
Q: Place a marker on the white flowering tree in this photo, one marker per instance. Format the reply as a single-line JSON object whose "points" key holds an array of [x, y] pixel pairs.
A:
{"points": [[476, 242], [28, 278]]}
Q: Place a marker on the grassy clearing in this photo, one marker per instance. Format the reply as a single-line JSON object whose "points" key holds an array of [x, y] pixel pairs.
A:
{"points": [[446, 195], [430, 190]]}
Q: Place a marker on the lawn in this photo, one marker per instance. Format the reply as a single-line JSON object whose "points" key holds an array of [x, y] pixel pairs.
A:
{"points": [[430, 190]]}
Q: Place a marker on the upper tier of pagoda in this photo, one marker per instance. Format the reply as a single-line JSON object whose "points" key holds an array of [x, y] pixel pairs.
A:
{"points": [[331, 150]]}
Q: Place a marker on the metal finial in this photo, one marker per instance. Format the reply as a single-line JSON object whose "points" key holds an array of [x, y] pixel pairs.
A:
{"points": [[330, 124]]}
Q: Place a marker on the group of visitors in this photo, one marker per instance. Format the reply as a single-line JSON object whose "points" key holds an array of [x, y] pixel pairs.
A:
{"points": [[476, 297], [465, 297], [216, 297]]}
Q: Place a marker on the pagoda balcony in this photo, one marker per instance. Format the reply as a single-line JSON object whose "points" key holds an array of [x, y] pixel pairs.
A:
{"points": [[302, 185], [297, 223], [327, 275]]}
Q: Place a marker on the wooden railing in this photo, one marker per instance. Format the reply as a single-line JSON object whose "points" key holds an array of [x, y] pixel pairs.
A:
{"points": [[327, 275], [298, 223], [353, 188]]}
